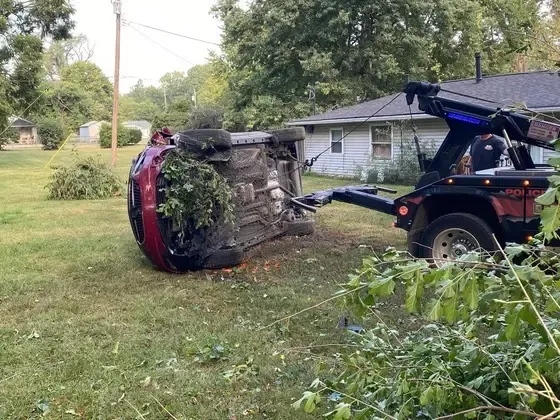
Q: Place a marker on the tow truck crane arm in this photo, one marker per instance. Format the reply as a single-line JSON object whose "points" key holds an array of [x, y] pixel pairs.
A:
{"points": [[465, 121]]}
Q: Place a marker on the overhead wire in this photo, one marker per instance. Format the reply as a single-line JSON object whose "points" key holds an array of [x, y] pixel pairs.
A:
{"points": [[159, 45], [173, 33]]}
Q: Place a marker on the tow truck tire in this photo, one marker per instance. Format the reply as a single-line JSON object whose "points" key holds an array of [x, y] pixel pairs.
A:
{"points": [[289, 134], [454, 234]]}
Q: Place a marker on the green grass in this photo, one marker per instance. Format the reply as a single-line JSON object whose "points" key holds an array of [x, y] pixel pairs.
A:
{"points": [[88, 328]]}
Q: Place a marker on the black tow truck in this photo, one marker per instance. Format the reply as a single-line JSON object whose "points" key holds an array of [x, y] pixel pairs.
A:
{"points": [[449, 214]]}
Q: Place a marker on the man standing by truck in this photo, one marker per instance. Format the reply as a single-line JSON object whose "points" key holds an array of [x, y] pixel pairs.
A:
{"points": [[485, 152]]}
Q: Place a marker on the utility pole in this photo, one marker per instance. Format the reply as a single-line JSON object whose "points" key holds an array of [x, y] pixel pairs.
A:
{"points": [[117, 9], [165, 95], [194, 97]]}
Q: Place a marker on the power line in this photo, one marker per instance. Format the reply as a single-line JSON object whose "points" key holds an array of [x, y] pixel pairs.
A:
{"points": [[159, 45], [173, 33]]}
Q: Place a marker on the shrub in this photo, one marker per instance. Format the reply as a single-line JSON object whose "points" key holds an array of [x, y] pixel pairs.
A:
{"points": [[11, 135], [85, 179], [403, 169], [51, 132], [134, 135], [205, 117], [106, 136]]}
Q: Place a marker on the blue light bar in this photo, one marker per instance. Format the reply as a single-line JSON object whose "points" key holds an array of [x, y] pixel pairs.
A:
{"points": [[466, 118]]}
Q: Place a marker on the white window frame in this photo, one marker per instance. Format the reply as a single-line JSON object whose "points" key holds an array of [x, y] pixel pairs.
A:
{"points": [[385, 125], [331, 141]]}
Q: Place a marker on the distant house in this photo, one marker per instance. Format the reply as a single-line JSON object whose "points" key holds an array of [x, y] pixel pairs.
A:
{"points": [[89, 132], [27, 131], [379, 140], [143, 126]]}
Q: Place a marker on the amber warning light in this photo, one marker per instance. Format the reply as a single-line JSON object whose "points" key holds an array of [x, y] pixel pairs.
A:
{"points": [[403, 210]]}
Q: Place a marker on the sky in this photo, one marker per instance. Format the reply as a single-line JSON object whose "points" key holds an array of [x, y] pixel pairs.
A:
{"points": [[141, 58]]}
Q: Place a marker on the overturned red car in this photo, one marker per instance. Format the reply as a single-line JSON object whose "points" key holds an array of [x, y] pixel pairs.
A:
{"points": [[263, 170]]}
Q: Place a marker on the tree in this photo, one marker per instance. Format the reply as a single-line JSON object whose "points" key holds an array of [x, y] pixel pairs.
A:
{"points": [[346, 50], [62, 53], [23, 27], [82, 94], [133, 109]]}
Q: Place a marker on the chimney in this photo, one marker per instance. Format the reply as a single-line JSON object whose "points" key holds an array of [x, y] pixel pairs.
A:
{"points": [[478, 64]]}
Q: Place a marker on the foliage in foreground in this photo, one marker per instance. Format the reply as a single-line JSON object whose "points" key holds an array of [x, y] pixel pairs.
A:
{"points": [[197, 198], [85, 179], [492, 346]]}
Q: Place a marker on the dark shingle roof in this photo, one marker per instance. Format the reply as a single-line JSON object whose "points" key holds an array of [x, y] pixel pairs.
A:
{"points": [[536, 89], [21, 123]]}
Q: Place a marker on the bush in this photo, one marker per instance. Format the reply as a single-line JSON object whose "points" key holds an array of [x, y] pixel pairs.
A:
{"points": [[205, 117], [51, 132], [85, 179], [134, 135], [11, 135], [403, 169], [106, 136]]}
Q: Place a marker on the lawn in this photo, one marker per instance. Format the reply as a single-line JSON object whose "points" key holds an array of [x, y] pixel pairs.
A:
{"points": [[88, 329]]}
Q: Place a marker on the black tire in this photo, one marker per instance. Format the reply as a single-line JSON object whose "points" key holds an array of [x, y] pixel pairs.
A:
{"points": [[212, 144], [224, 258], [466, 222], [286, 135], [299, 227]]}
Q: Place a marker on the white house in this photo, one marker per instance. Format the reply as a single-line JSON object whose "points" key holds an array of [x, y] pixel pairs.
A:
{"points": [[380, 139], [143, 126], [89, 132]]}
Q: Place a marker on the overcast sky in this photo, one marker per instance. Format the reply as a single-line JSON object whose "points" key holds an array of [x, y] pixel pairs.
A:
{"points": [[140, 57]]}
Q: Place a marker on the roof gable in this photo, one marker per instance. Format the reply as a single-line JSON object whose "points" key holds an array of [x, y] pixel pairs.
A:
{"points": [[538, 90], [22, 123]]}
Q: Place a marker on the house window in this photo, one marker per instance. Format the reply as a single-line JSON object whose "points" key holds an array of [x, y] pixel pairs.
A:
{"points": [[381, 142], [337, 135]]}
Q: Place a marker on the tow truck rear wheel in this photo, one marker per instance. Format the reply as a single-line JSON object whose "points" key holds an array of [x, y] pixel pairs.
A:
{"points": [[454, 235]]}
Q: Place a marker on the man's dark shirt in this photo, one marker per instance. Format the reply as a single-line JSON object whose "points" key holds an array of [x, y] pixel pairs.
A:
{"points": [[485, 153]]}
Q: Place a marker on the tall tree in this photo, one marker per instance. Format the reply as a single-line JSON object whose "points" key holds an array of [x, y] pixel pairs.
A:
{"points": [[62, 53], [82, 94], [345, 50], [23, 27]]}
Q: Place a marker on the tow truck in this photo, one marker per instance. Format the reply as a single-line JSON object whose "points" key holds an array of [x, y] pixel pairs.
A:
{"points": [[448, 215]]}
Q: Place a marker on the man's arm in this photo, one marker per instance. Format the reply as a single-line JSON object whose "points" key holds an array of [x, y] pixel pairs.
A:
{"points": [[501, 144]]}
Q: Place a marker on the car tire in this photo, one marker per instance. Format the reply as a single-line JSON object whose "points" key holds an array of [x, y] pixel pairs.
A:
{"points": [[450, 236], [195, 141], [299, 227], [284, 135], [224, 258]]}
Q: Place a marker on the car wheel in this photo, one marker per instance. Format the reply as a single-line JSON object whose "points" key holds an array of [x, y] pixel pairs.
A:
{"points": [[299, 227], [215, 145], [289, 134], [454, 235], [223, 258]]}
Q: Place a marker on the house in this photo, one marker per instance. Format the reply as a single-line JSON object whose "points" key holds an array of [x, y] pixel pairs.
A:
{"points": [[143, 126], [89, 132], [27, 131], [379, 140]]}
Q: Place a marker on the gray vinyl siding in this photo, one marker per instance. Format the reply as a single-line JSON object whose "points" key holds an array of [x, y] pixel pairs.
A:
{"points": [[356, 154]]}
